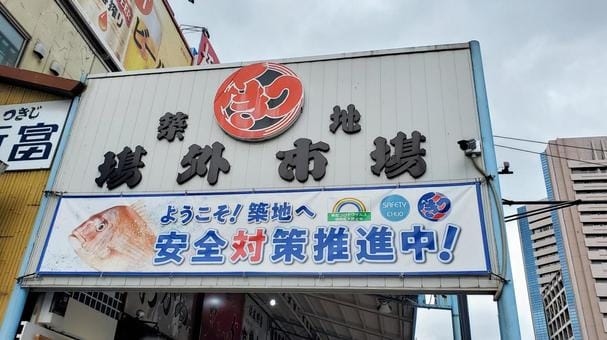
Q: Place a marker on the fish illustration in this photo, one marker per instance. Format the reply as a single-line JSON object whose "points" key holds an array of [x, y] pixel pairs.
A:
{"points": [[115, 239]]}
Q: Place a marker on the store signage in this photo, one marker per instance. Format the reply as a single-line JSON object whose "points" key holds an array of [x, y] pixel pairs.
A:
{"points": [[416, 230], [259, 101], [30, 132]]}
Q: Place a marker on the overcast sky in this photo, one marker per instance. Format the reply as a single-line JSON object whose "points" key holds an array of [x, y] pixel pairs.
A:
{"points": [[545, 68]]}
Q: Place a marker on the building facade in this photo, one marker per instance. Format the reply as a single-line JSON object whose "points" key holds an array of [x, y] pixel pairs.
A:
{"points": [[565, 250], [46, 49], [73, 38]]}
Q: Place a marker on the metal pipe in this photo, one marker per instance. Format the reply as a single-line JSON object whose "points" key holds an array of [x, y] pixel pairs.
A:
{"points": [[506, 305]]}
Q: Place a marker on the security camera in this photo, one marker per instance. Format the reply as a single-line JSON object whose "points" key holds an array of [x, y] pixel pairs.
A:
{"points": [[471, 147]]}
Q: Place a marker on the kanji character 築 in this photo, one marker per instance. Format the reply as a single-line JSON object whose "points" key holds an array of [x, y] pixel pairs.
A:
{"points": [[172, 125]]}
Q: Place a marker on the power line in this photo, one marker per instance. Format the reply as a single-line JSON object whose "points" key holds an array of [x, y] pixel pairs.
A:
{"points": [[551, 206], [548, 143], [604, 165]]}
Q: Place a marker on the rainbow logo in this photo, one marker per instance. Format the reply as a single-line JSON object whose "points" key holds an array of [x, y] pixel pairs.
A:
{"points": [[358, 213]]}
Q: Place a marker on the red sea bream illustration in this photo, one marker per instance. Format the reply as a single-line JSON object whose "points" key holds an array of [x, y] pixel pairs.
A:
{"points": [[116, 239]]}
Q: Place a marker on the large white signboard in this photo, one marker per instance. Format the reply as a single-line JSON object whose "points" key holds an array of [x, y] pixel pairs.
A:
{"points": [[411, 230], [30, 132]]}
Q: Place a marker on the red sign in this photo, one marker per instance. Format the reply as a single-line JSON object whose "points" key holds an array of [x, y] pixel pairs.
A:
{"points": [[259, 101], [206, 53]]}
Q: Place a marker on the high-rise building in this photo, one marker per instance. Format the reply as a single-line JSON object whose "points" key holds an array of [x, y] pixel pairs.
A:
{"points": [[565, 250]]}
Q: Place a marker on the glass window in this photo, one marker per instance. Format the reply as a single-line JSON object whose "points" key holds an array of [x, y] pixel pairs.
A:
{"points": [[12, 42]]}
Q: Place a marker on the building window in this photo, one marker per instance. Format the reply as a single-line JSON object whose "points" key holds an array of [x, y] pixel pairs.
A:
{"points": [[12, 40]]}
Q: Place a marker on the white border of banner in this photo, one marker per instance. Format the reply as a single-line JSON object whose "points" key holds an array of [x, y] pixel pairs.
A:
{"points": [[482, 223]]}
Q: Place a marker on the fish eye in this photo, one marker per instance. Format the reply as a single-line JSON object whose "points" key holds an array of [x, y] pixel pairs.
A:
{"points": [[100, 226]]}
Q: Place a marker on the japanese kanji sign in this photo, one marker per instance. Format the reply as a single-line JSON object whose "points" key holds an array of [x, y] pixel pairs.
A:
{"points": [[30, 132], [417, 230]]}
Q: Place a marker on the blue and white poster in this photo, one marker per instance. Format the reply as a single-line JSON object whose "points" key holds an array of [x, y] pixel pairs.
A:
{"points": [[30, 132], [415, 230]]}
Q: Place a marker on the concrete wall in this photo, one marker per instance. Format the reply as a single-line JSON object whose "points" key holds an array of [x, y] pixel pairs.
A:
{"points": [[45, 22]]}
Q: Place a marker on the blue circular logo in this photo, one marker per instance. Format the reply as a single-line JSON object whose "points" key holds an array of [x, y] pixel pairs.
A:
{"points": [[434, 206], [394, 208]]}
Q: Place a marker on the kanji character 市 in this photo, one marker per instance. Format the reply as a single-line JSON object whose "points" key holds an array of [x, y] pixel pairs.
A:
{"points": [[187, 214], [289, 244], [283, 212], [209, 248], [169, 218], [126, 170], [407, 155], [248, 247], [418, 241], [298, 160], [332, 244], [258, 212], [169, 247], [375, 244]]}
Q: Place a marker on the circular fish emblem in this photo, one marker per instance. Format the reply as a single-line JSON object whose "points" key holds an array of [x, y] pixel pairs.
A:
{"points": [[258, 101], [434, 206]]}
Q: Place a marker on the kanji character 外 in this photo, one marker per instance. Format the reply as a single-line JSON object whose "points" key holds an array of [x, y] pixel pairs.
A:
{"points": [[304, 209], [169, 247], [201, 217], [34, 143], [283, 212], [220, 214], [197, 158], [407, 155], [169, 218], [299, 159], [248, 247], [187, 214], [332, 244], [289, 244], [347, 119], [209, 248], [258, 212], [127, 170], [172, 125], [418, 241], [375, 244]]}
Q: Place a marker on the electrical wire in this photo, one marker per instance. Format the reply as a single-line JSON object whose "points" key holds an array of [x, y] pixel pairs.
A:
{"points": [[539, 211], [548, 143], [603, 165]]}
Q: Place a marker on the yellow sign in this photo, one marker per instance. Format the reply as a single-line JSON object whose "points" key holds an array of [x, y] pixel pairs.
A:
{"points": [[139, 33]]}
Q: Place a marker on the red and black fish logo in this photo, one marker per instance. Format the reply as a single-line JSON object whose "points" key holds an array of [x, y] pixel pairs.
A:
{"points": [[259, 101]]}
